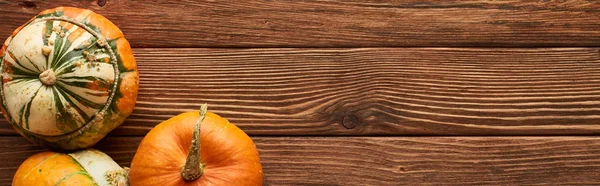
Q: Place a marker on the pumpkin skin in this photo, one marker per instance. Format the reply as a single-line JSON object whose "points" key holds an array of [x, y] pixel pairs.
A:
{"points": [[86, 167], [69, 78], [229, 156]]}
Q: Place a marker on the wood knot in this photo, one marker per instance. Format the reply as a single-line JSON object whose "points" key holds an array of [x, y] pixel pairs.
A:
{"points": [[48, 77], [28, 4], [101, 3], [402, 169], [350, 121]]}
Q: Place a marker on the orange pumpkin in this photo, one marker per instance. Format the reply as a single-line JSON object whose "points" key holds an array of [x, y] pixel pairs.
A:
{"points": [[196, 148], [83, 168]]}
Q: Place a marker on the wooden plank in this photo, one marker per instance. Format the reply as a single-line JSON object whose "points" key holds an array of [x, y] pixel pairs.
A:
{"points": [[373, 91], [336, 23], [392, 160]]}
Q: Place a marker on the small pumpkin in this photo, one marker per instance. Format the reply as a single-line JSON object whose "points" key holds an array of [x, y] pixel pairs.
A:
{"points": [[85, 168], [69, 78], [196, 148]]}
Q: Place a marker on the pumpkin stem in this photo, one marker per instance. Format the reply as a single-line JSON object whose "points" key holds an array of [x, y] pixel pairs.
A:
{"points": [[193, 168], [48, 77]]}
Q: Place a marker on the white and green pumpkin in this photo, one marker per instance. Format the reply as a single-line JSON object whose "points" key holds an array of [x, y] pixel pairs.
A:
{"points": [[69, 78], [88, 167]]}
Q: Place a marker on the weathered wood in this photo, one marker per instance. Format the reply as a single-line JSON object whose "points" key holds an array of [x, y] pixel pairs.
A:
{"points": [[336, 23], [375, 91], [391, 160]]}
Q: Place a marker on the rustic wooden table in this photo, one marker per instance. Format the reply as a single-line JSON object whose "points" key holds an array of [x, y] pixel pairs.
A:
{"points": [[366, 92]]}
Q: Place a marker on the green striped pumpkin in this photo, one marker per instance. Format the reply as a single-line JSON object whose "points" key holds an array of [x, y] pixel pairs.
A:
{"points": [[69, 78], [88, 167]]}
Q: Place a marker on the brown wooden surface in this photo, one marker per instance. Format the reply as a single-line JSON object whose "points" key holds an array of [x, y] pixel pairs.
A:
{"points": [[380, 91], [392, 160], [336, 23], [411, 92]]}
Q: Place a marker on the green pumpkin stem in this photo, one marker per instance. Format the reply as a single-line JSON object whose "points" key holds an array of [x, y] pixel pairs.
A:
{"points": [[193, 167]]}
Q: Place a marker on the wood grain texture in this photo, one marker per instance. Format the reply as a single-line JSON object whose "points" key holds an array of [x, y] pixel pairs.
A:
{"points": [[336, 23], [373, 91], [391, 160]]}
